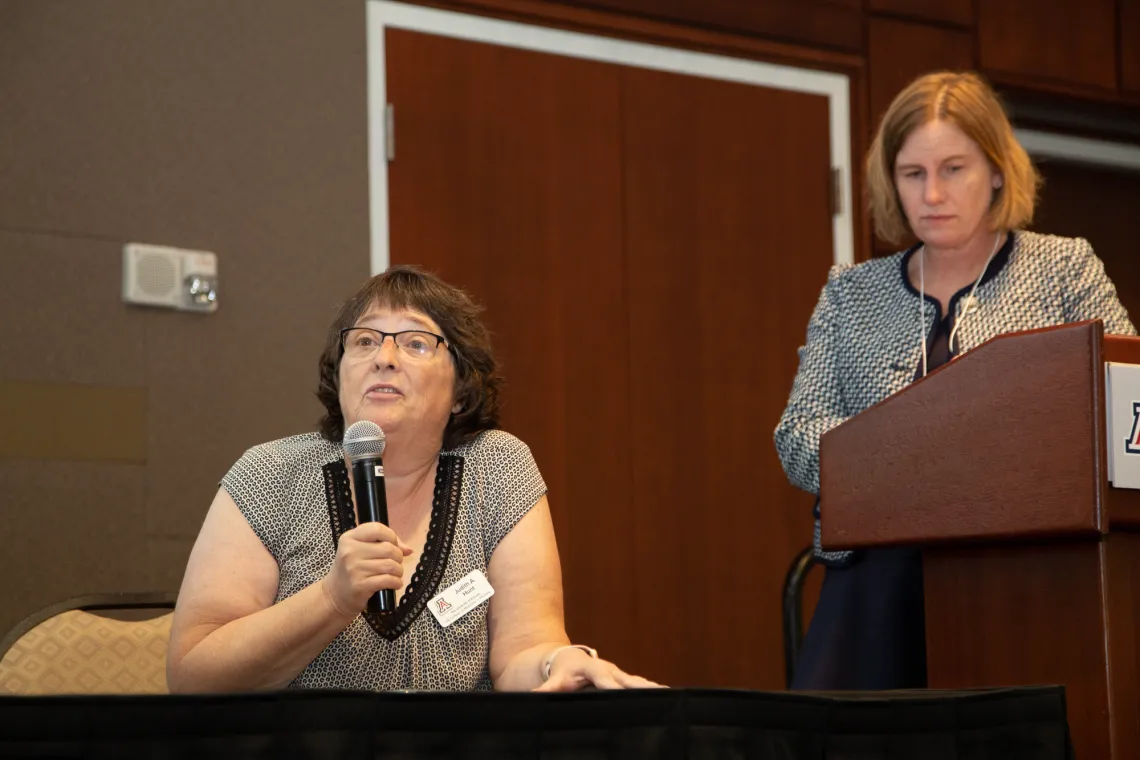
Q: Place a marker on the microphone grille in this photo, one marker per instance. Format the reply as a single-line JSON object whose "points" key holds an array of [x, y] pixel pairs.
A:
{"points": [[363, 439]]}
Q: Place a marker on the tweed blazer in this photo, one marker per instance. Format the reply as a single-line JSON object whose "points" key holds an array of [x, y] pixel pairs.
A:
{"points": [[864, 339]]}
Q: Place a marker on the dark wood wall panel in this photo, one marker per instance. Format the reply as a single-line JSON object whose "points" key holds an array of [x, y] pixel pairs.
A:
{"points": [[960, 12], [832, 24], [1071, 42], [728, 242], [1098, 204], [900, 51], [1130, 45], [825, 24], [1052, 47], [652, 8]]}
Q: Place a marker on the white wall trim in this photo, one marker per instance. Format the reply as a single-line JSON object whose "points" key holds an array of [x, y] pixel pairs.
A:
{"points": [[377, 140], [382, 14], [1083, 150]]}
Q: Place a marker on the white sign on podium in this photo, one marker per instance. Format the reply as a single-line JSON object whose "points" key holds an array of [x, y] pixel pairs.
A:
{"points": [[1122, 407]]}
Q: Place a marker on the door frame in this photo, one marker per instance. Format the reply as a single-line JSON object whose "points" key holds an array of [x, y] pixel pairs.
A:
{"points": [[382, 15]]}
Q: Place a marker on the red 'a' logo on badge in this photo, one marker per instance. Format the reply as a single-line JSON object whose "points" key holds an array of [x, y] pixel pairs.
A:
{"points": [[443, 605], [1132, 442]]}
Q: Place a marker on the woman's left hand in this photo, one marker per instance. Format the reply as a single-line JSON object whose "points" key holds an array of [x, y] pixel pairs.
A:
{"points": [[573, 669]]}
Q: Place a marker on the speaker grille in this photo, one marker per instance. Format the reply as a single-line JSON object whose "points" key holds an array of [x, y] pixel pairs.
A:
{"points": [[156, 274]]}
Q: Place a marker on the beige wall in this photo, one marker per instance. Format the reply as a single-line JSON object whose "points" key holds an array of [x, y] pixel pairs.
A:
{"points": [[234, 127]]}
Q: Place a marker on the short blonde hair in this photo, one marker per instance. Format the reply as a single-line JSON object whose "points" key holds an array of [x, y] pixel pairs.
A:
{"points": [[966, 101]]}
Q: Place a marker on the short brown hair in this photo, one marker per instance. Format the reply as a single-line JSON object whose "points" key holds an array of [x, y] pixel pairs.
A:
{"points": [[477, 378], [966, 101]]}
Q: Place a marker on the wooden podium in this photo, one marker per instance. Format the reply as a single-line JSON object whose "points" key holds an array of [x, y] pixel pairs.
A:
{"points": [[996, 465]]}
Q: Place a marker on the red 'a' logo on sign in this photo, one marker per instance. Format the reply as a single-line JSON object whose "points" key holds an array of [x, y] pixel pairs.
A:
{"points": [[1132, 442]]}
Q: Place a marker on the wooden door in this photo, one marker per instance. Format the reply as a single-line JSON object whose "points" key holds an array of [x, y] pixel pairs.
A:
{"points": [[649, 247]]}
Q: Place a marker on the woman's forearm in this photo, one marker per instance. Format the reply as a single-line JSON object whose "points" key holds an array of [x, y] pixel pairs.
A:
{"points": [[524, 671], [265, 650]]}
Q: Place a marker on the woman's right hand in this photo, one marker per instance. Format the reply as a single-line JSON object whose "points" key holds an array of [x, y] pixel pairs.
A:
{"points": [[370, 557]]}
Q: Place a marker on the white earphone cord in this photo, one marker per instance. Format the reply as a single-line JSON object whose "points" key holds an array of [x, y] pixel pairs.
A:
{"points": [[965, 312]]}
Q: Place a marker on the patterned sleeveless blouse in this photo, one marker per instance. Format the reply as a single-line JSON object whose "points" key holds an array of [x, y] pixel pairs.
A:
{"points": [[295, 494]]}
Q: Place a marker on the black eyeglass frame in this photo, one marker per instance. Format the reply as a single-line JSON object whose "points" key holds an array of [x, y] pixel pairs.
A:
{"points": [[439, 339]]}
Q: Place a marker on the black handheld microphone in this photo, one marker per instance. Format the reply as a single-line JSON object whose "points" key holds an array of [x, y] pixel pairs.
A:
{"points": [[364, 443]]}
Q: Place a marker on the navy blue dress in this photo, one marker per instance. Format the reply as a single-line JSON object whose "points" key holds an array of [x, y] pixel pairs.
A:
{"points": [[869, 627]]}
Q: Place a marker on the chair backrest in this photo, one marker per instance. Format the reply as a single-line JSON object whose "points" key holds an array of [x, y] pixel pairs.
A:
{"points": [[69, 648]]}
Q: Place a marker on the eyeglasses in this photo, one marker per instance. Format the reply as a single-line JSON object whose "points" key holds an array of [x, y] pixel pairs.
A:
{"points": [[364, 342]]}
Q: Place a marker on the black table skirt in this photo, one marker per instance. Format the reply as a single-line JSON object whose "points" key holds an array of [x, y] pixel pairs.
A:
{"points": [[676, 723]]}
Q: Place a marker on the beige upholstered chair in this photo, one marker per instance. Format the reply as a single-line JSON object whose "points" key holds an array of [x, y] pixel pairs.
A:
{"points": [[83, 646]]}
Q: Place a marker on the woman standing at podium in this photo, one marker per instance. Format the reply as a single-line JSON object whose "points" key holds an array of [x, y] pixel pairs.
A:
{"points": [[945, 168]]}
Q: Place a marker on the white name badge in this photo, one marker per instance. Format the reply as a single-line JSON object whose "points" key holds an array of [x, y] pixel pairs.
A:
{"points": [[467, 594]]}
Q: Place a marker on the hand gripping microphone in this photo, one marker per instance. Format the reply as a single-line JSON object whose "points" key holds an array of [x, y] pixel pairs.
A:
{"points": [[364, 443]]}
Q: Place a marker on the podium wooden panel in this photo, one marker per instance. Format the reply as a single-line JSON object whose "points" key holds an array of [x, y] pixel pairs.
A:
{"points": [[996, 465]]}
